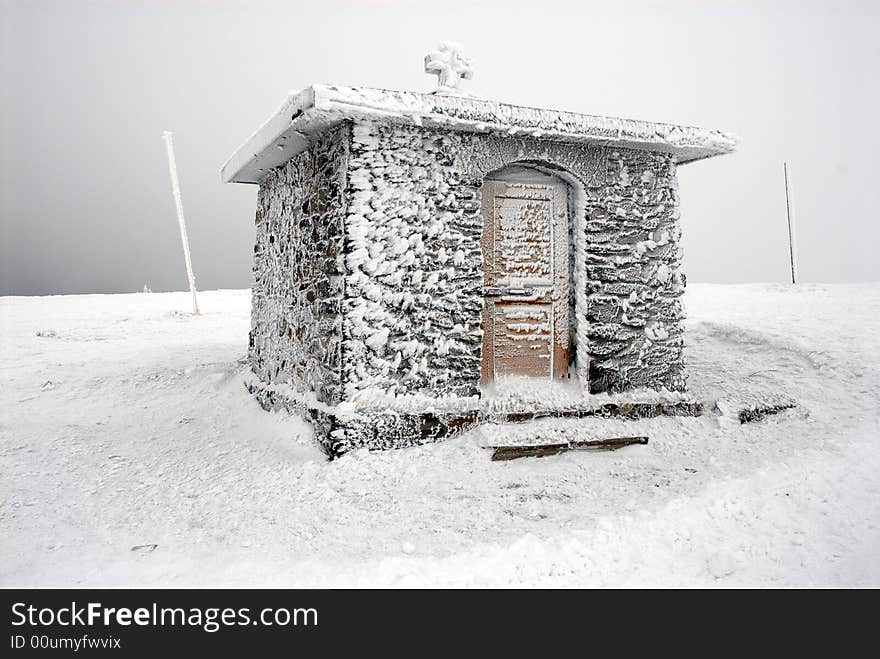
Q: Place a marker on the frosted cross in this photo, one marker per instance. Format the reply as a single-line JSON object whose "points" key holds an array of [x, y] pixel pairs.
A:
{"points": [[450, 65]]}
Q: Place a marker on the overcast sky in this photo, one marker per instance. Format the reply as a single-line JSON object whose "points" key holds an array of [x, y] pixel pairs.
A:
{"points": [[88, 88]]}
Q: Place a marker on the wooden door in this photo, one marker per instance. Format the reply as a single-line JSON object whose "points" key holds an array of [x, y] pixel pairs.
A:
{"points": [[525, 275]]}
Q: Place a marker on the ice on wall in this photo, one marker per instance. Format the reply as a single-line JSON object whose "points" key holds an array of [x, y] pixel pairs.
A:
{"points": [[368, 265], [633, 258], [412, 311], [413, 296], [296, 328]]}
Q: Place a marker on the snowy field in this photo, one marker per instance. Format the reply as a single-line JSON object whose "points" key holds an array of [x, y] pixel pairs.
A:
{"points": [[130, 454]]}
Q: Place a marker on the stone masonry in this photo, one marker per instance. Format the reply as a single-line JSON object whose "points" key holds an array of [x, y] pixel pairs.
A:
{"points": [[368, 269]]}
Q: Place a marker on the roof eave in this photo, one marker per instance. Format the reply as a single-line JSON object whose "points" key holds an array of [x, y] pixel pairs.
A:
{"points": [[255, 156], [314, 110]]}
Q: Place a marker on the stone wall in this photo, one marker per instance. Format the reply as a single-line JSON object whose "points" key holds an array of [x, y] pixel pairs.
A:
{"points": [[633, 279], [296, 326], [413, 292], [368, 272]]}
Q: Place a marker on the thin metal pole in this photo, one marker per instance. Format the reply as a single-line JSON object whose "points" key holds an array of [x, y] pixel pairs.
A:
{"points": [[175, 189], [791, 232]]}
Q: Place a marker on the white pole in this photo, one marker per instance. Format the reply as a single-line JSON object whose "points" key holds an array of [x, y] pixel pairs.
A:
{"points": [[175, 189], [789, 210]]}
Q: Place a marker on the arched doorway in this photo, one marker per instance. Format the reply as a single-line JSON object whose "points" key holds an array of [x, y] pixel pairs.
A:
{"points": [[526, 275]]}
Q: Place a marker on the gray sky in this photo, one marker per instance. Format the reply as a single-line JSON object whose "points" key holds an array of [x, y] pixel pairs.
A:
{"points": [[88, 88]]}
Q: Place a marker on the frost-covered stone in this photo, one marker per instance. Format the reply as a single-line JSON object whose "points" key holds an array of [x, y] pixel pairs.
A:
{"points": [[368, 274], [296, 327]]}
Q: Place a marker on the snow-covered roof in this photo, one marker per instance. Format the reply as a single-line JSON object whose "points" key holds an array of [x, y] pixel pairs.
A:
{"points": [[313, 110]]}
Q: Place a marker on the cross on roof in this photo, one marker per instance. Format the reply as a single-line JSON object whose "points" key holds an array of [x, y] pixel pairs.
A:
{"points": [[450, 65]]}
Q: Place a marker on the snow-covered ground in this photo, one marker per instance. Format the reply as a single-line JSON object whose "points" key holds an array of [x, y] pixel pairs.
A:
{"points": [[124, 424]]}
